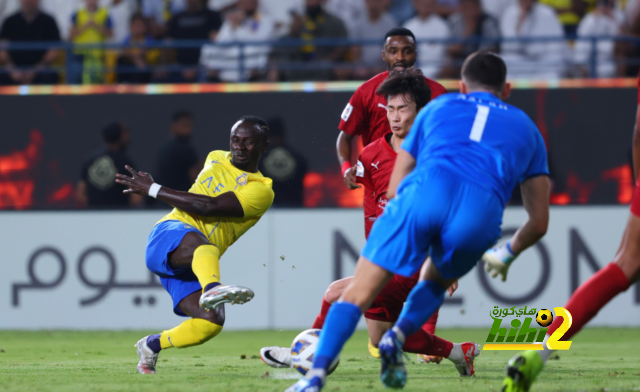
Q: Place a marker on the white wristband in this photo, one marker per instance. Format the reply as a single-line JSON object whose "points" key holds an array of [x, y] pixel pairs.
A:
{"points": [[154, 189], [504, 253]]}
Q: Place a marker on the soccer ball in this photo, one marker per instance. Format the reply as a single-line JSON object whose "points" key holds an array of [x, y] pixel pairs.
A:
{"points": [[544, 317], [303, 349]]}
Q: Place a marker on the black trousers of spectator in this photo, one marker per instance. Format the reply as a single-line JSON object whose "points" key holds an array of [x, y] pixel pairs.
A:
{"points": [[40, 78], [139, 76]]}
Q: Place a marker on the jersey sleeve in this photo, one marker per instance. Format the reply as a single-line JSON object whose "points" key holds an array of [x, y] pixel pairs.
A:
{"points": [[353, 119], [363, 176], [369, 205], [538, 165], [255, 198]]}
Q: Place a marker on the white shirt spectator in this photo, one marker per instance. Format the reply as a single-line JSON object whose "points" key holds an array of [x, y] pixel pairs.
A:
{"points": [[155, 9], [496, 8], [349, 11], [431, 56], [597, 23], [227, 59], [533, 60], [280, 12], [365, 29]]}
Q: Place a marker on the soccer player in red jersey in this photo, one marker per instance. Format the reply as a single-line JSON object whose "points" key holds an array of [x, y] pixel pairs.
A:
{"points": [[407, 93], [593, 294], [366, 113]]}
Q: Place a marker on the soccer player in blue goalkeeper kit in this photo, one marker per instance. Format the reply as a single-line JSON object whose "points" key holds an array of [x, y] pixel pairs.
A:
{"points": [[450, 184]]}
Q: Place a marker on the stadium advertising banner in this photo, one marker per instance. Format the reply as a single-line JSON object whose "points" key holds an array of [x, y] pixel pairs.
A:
{"points": [[86, 270]]}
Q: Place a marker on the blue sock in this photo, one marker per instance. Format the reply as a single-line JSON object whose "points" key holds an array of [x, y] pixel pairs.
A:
{"points": [[424, 299], [340, 324], [154, 343], [210, 286]]}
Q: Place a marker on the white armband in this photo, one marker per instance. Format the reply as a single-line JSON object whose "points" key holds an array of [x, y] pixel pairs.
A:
{"points": [[154, 189]]}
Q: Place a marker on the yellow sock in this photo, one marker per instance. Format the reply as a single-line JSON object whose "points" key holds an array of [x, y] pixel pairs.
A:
{"points": [[190, 333], [206, 264]]}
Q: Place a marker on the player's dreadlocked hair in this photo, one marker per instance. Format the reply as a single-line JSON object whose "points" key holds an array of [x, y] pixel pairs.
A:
{"points": [[410, 82], [264, 127]]}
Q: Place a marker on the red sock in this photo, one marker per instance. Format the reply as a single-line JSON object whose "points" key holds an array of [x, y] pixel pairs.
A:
{"points": [[323, 314], [430, 325], [422, 342], [592, 296]]}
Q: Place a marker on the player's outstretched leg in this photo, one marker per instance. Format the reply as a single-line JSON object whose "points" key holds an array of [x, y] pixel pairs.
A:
{"points": [[206, 266], [202, 327]]}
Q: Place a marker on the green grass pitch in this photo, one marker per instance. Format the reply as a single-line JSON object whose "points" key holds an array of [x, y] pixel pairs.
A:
{"points": [[600, 359]]}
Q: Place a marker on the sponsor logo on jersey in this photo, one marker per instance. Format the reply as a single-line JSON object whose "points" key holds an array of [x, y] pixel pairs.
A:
{"points": [[346, 113], [375, 165], [359, 169]]}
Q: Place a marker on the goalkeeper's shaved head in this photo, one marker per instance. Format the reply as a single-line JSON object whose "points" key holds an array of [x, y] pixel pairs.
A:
{"points": [[485, 71]]}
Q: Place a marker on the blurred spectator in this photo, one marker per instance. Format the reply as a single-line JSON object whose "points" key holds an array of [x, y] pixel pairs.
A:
{"points": [[373, 26], [496, 8], [601, 22], [136, 55], [121, 12], [243, 23], [402, 10], [281, 12], [97, 187], [90, 25], [284, 166], [315, 23], [160, 12], [178, 163], [429, 25], [197, 22], [532, 60], [353, 11], [569, 13], [8, 7], [476, 28], [29, 66]]}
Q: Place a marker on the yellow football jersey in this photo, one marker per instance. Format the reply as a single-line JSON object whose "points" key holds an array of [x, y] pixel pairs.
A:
{"points": [[217, 177]]}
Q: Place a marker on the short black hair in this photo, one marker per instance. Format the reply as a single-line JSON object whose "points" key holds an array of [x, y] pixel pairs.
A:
{"points": [[112, 133], [180, 114], [264, 127], [485, 69], [399, 31], [411, 82]]}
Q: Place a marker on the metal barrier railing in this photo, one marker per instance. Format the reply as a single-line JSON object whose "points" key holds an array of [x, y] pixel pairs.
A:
{"points": [[562, 54]]}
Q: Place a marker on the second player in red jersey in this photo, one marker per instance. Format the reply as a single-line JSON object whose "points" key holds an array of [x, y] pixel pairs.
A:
{"points": [[407, 93], [366, 113]]}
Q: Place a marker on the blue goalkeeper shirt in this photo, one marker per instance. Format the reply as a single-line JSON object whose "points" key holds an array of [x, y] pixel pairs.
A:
{"points": [[479, 138]]}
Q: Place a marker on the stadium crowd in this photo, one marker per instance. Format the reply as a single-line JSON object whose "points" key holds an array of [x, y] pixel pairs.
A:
{"points": [[266, 28]]}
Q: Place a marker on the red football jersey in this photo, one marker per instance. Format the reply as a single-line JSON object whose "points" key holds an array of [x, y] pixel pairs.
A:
{"points": [[366, 112], [375, 165]]}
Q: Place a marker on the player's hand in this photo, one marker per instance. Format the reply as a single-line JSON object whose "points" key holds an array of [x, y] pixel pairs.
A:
{"points": [[350, 179], [139, 183], [452, 289], [498, 260]]}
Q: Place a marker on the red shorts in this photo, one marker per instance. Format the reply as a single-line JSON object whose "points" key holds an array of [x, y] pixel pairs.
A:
{"points": [[635, 200], [388, 304]]}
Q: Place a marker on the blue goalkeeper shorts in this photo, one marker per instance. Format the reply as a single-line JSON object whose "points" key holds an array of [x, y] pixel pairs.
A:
{"points": [[164, 239], [437, 214]]}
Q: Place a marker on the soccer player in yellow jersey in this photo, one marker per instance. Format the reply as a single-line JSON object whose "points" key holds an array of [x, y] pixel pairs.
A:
{"points": [[184, 248]]}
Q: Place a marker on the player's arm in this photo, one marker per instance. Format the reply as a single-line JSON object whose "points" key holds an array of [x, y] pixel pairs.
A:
{"points": [[636, 148], [535, 198], [405, 163], [343, 147], [225, 205]]}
